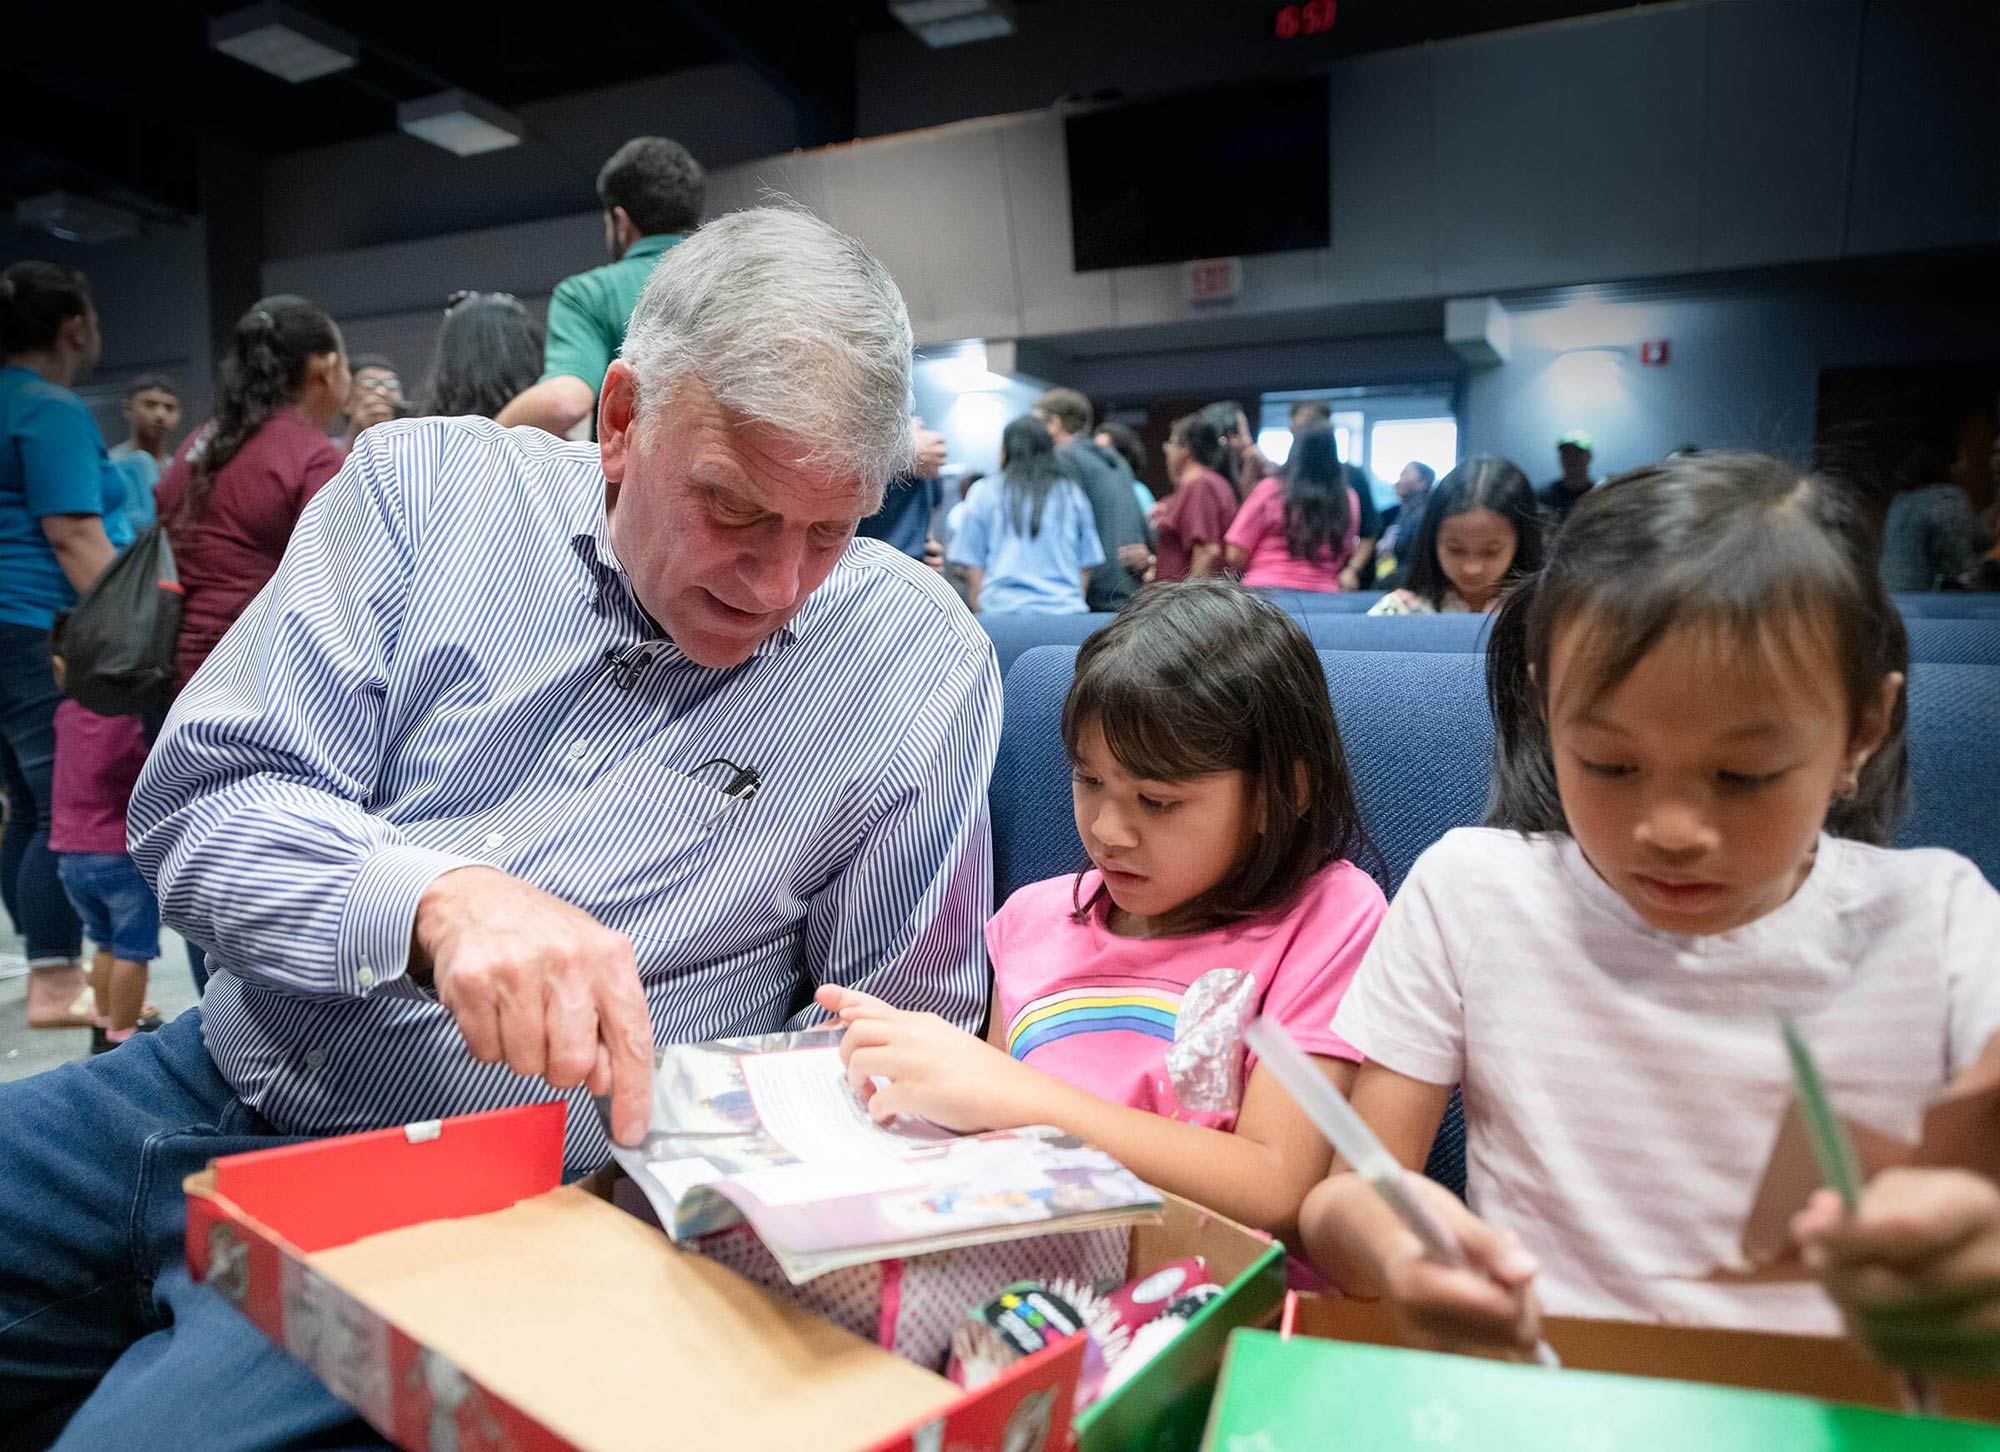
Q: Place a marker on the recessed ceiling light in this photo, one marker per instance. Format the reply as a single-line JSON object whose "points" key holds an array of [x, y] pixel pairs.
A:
{"points": [[284, 42], [462, 124]]}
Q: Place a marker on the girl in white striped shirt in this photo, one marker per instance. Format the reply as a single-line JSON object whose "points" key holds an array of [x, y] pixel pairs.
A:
{"points": [[1700, 714]]}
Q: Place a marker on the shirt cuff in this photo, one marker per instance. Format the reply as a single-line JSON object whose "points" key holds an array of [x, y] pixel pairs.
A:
{"points": [[374, 945]]}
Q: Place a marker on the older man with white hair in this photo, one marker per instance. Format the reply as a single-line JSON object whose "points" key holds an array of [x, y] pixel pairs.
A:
{"points": [[532, 755]]}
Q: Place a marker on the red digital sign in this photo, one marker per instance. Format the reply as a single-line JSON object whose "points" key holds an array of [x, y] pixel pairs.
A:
{"points": [[1312, 17]]}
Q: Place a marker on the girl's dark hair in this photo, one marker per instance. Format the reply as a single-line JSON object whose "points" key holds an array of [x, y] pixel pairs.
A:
{"points": [[1317, 516], [1202, 676], [1481, 482], [488, 351], [263, 371], [1197, 435], [1128, 445], [1028, 471], [1740, 544], [36, 299]]}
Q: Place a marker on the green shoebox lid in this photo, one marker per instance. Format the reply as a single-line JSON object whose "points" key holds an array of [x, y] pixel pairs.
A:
{"points": [[1291, 1395]]}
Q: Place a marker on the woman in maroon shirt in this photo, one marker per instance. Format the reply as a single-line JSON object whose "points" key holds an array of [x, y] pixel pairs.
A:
{"points": [[230, 500], [1192, 522]]}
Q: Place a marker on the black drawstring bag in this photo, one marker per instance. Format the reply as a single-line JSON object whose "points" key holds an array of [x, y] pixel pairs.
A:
{"points": [[117, 643]]}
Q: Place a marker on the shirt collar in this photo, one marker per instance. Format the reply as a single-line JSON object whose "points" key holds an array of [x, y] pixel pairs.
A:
{"points": [[651, 245], [612, 594]]}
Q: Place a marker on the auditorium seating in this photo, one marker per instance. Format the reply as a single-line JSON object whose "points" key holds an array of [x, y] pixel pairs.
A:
{"points": [[1419, 741], [1964, 639]]}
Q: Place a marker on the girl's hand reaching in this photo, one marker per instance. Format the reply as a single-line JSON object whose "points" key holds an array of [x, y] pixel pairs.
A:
{"points": [[935, 1070], [1916, 1267]]}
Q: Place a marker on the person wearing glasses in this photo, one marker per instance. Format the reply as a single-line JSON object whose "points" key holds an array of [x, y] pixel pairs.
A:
{"points": [[488, 351], [375, 396]]}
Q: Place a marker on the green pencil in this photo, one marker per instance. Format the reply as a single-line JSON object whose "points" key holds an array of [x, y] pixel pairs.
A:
{"points": [[1838, 1165]]}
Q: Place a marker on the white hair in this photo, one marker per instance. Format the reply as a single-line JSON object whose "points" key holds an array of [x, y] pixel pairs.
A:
{"points": [[787, 321]]}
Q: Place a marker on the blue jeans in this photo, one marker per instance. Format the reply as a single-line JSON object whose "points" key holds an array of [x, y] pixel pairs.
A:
{"points": [[105, 1343], [118, 909], [29, 888]]}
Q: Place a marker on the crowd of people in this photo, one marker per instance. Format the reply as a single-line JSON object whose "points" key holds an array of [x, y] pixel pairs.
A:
{"points": [[428, 660]]}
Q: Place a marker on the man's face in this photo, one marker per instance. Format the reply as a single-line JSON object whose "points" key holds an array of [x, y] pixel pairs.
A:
{"points": [[1575, 460], [152, 414], [721, 530], [1055, 429], [1410, 482], [373, 397]]}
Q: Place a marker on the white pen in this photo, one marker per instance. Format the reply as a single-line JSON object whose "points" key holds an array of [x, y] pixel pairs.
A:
{"points": [[1356, 1143]]}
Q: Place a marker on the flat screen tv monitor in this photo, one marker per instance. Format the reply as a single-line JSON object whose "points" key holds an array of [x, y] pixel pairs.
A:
{"points": [[1219, 173]]}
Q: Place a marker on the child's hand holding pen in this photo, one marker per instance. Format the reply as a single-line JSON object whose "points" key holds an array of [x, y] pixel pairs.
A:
{"points": [[1915, 1266]]}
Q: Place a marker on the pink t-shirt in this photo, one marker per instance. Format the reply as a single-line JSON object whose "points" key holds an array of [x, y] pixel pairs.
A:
{"points": [[1259, 531], [1157, 1022]]}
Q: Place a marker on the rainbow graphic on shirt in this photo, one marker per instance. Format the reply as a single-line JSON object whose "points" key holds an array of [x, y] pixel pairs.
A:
{"points": [[1148, 1006]]}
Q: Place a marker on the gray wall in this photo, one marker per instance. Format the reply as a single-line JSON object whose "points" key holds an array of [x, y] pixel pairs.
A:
{"points": [[153, 303], [393, 187], [1742, 372]]}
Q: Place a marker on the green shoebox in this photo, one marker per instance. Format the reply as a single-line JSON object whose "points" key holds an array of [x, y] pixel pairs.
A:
{"points": [[1291, 1395], [1163, 1407]]}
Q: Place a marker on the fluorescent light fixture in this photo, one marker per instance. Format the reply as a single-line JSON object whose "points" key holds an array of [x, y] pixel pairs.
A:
{"points": [[462, 124], [276, 38], [963, 369], [939, 23], [76, 219]]}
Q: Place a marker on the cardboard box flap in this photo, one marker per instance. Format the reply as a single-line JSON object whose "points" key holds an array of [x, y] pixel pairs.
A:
{"points": [[1311, 1393], [1960, 1131], [329, 1192], [1814, 1366], [605, 1334]]}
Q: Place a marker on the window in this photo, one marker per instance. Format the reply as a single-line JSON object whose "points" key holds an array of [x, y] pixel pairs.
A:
{"points": [[1394, 442]]}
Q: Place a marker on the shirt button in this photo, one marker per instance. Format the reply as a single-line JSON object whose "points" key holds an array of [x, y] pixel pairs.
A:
{"points": [[494, 839], [315, 1058], [366, 977], [578, 747]]}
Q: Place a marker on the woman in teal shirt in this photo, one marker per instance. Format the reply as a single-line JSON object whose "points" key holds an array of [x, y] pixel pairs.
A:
{"points": [[54, 476]]}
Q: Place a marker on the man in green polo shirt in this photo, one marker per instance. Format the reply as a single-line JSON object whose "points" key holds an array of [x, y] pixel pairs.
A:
{"points": [[652, 195]]}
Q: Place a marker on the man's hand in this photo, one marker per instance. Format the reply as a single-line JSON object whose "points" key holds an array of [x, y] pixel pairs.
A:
{"points": [[1135, 557], [370, 409], [934, 555], [927, 462], [541, 987]]}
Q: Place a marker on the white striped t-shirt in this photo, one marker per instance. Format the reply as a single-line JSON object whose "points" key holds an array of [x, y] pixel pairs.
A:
{"points": [[1624, 1086]]}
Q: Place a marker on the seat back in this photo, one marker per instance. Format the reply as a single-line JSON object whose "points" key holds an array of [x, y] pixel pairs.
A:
{"points": [[1949, 605]]}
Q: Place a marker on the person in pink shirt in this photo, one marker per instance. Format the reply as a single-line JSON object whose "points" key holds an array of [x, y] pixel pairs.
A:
{"points": [[1213, 798], [1298, 532]]}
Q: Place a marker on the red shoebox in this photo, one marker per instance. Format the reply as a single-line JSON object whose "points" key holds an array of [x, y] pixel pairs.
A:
{"points": [[442, 1280]]}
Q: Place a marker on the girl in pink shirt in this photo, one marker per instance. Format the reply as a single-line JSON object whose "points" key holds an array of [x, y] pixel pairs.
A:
{"points": [[1298, 532], [1213, 798]]}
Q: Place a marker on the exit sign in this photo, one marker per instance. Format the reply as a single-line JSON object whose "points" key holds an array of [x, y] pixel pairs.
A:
{"points": [[1313, 17], [1214, 280]]}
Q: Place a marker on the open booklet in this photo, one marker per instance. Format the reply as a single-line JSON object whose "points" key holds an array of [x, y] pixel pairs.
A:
{"points": [[768, 1130]]}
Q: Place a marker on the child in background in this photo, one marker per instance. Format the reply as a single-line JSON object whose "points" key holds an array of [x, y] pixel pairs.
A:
{"points": [[1213, 798], [98, 759], [1298, 532], [1027, 540], [1700, 713], [1481, 532]]}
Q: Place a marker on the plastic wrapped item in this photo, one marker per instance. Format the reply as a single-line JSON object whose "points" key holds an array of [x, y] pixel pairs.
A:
{"points": [[1205, 1061]]}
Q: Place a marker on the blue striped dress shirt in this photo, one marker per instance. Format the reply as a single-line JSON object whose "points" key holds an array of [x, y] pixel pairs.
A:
{"points": [[424, 685]]}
